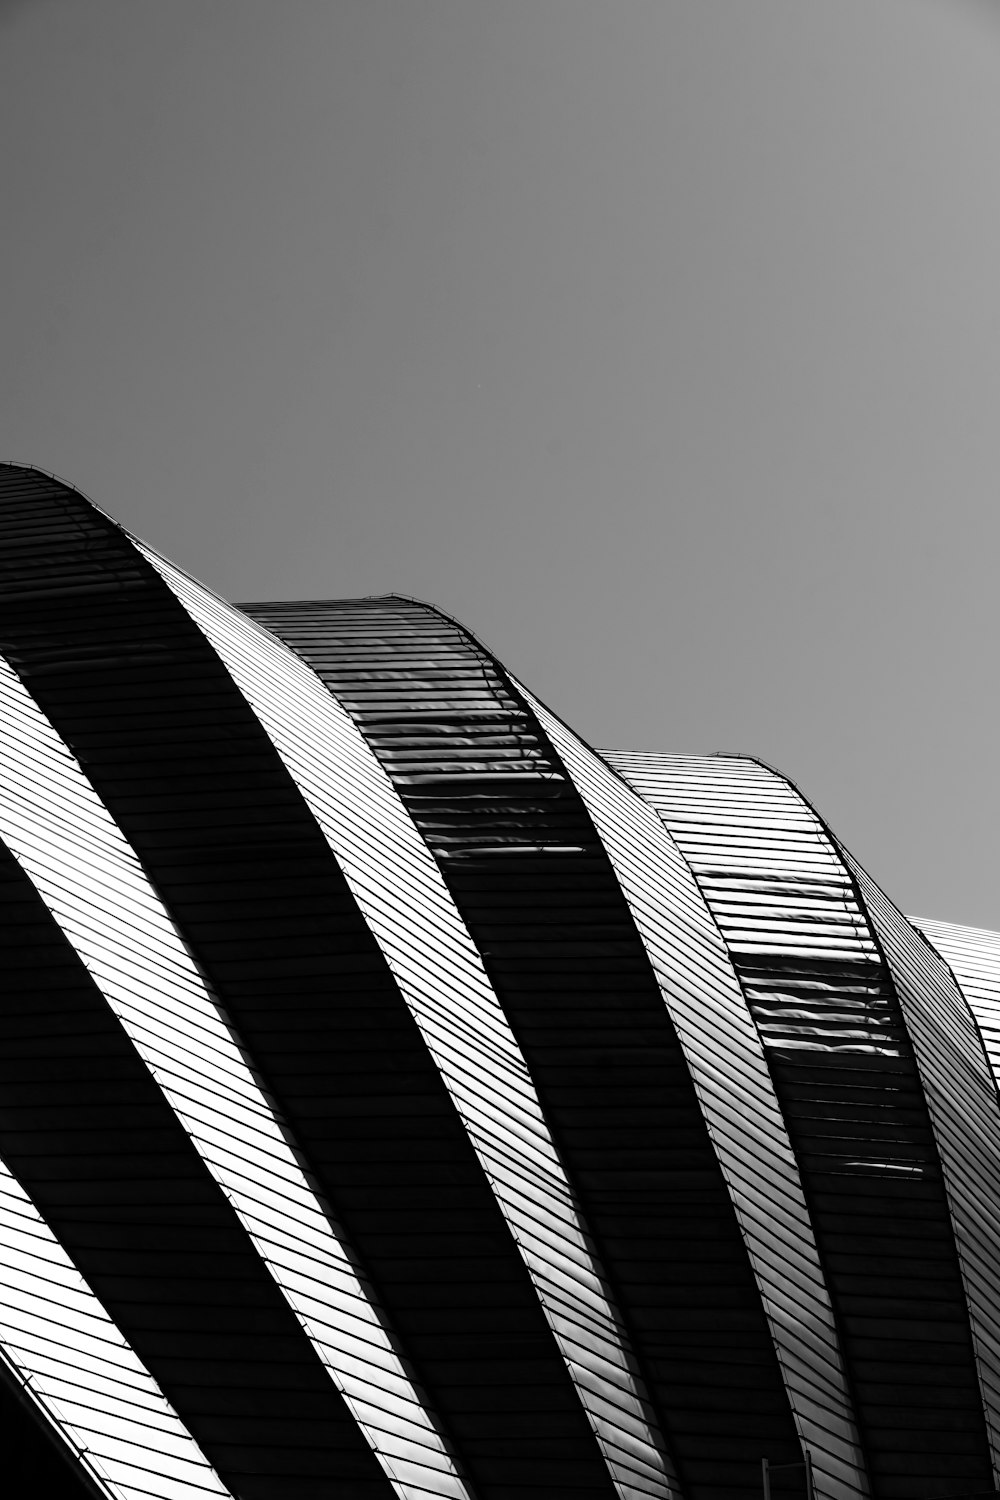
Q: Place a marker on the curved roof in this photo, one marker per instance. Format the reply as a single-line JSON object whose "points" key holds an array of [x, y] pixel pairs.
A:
{"points": [[399, 1097]]}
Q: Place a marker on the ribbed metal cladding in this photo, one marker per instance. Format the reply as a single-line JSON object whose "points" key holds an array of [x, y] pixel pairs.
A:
{"points": [[832, 1014], [401, 1100], [526, 867], [973, 956], [93, 886], [233, 850]]}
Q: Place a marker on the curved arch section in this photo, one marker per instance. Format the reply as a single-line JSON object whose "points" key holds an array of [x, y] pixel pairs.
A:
{"points": [[973, 956], [401, 893], [531, 880], [81, 1373], [830, 1022], [707, 1007], [962, 1100], [92, 884]]}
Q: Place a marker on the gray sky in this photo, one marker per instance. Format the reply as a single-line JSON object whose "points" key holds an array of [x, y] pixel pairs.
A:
{"points": [[659, 340]]}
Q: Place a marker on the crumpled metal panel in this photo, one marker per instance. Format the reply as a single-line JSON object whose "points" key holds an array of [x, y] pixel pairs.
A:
{"points": [[825, 1002], [783, 901]]}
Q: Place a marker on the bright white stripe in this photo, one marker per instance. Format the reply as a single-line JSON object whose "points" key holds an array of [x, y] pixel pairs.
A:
{"points": [[95, 888], [722, 1048], [73, 1362], [403, 897]]}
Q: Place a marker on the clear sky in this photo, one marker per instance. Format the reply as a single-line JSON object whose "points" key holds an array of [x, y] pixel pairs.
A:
{"points": [[659, 340]]}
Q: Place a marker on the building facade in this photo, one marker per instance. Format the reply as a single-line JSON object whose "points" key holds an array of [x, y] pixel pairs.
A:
{"points": [[400, 1098]]}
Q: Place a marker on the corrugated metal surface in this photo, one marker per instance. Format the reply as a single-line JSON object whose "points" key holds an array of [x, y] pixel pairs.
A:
{"points": [[973, 955], [522, 859], [407, 906], [201, 794], [824, 1001]]}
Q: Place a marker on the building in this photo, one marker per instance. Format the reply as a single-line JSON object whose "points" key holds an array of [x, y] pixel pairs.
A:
{"points": [[400, 1098]]}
